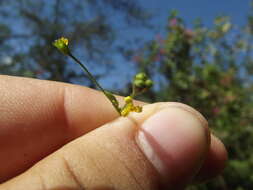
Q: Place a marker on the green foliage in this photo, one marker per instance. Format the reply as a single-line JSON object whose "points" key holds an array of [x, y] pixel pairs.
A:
{"points": [[211, 71]]}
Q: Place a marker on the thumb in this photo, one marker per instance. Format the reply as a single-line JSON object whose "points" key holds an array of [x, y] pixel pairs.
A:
{"points": [[162, 147]]}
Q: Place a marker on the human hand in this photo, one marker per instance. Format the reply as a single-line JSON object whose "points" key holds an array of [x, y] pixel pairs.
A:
{"points": [[74, 139]]}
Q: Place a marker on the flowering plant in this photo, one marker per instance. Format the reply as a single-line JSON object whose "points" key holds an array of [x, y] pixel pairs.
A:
{"points": [[140, 83]]}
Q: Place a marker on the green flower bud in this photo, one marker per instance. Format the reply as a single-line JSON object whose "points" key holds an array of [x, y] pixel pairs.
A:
{"points": [[149, 83], [139, 83], [141, 76]]}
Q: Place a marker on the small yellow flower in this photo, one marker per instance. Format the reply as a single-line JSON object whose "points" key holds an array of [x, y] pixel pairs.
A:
{"points": [[128, 99], [126, 110], [62, 45], [137, 109], [129, 107]]}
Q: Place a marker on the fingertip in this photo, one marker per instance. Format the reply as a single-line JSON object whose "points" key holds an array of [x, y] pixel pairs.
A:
{"points": [[215, 161], [176, 142]]}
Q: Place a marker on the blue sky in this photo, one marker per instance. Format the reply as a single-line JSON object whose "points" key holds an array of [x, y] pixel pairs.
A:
{"points": [[205, 9], [189, 10]]}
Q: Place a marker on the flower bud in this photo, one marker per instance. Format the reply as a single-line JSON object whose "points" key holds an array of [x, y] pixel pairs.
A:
{"points": [[128, 99], [62, 45], [149, 83], [139, 83], [137, 109], [141, 76]]}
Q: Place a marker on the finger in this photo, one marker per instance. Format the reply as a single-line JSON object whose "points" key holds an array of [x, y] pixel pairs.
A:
{"points": [[215, 161], [37, 117], [32, 123], [163, 145]]}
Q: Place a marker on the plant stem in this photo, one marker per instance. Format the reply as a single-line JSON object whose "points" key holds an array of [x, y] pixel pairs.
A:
{"points": [[133, 94], [94, 81]]}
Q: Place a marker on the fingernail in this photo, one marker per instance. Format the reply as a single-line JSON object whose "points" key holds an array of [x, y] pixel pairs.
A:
{"points": [[174, 141]]}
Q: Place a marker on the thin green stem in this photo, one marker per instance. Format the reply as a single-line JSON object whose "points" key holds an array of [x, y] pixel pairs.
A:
{"points": [[95, 82], [88, 73], [133, 94]]}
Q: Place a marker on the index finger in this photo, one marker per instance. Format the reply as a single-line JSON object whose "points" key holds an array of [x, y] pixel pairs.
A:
{"points": [[38, 117]]}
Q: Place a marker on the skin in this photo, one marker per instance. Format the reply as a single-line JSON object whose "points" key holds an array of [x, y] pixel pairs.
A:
{"points": [[56, 136]]}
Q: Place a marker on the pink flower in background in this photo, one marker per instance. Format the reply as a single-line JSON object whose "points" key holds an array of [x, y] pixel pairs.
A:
{"points": [[173, 22], [157, 58], [230, 98], [158, 37], [39, 72], [216, 110], [136, 58], [189, 33], [162, 51]]}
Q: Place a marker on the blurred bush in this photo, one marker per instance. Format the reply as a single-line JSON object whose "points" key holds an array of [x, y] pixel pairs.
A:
{"points": [[211, 70]]}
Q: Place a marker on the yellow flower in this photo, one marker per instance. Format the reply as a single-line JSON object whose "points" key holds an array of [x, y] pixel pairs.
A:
{"points": [[128, 99], [137, 109], [62, 45], [129, 107]]}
